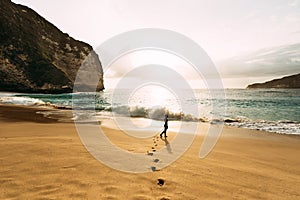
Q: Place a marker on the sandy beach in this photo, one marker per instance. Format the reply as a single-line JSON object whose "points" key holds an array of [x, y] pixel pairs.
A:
{"points": [[44, 159]]}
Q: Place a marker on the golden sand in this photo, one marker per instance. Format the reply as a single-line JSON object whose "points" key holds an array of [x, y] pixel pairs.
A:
{"points": [[42, 158]]}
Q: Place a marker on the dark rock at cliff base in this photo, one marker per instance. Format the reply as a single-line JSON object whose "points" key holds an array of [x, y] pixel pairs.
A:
{"points": [[35, 56], [285, 82]]}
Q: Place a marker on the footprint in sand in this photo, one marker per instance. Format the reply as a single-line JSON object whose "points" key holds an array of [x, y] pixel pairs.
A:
{"points": [[156, 160], [160, 182], [149, 153], [153, 149]]}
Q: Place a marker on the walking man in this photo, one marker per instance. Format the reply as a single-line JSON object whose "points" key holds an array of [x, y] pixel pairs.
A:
{"points": [[165, 127]]}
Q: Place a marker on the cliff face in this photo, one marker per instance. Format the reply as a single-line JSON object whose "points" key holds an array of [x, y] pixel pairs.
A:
{"points": [[285, 82], [35, 56]]}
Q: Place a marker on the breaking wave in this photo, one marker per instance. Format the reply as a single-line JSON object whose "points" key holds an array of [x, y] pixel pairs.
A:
{"points": [[157, 113], [27, 101]]}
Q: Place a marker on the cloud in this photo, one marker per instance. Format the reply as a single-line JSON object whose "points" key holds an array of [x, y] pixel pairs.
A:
{"points": [[270, 62], [295, 32], [293, 3], [293, 17]]}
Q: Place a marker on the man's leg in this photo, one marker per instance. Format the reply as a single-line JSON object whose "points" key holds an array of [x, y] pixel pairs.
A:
{"points": [[165, 131], [162, 133]]}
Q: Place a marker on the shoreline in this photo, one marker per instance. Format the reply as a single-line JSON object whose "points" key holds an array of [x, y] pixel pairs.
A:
{"points": [[46, 159], [279, 119], [39, 114], [260, 112]]}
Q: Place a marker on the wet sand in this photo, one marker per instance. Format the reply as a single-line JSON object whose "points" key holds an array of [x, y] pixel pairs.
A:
{"points": [[43, 158]]}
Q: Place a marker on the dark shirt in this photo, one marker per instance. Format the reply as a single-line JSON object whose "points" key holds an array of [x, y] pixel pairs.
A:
{"points": [[166, 124]]}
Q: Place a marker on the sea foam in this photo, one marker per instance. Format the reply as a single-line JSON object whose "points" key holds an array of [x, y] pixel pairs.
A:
{"points": [[21, 100]]}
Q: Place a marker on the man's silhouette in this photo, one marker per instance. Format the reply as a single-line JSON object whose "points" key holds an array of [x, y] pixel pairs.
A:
{"points": [[165, 127]]}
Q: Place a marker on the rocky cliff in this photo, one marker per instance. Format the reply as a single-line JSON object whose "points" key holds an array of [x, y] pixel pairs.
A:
{"points": [[35, 56], [285, 82]]}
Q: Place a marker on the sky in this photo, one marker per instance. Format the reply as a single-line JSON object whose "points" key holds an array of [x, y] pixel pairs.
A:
{"points": [[248, 40]]}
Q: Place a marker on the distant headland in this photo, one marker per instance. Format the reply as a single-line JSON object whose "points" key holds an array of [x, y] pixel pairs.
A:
{"points": [[292, 81]]}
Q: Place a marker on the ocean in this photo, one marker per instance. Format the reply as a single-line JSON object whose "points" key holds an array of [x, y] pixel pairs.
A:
{"points": [[272, 110]]}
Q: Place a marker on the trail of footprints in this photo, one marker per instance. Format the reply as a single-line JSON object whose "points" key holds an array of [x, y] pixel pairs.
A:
{"points": [[160, 181], [153, 150]]}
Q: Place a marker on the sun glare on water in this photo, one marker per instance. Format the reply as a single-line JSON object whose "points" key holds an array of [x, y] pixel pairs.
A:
{"points": [[154, 96]]}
